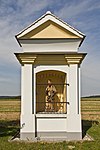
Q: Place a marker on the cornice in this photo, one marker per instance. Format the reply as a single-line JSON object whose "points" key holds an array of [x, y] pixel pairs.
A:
{"points": [[53, 59], [26, 58], [76, 58]]}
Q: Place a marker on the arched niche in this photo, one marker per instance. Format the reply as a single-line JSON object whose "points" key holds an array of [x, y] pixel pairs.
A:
{"points": [[59, 80]]}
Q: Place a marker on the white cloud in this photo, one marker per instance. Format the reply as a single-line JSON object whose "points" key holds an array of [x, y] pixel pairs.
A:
{"points": [[15, 15], [75, 8]]}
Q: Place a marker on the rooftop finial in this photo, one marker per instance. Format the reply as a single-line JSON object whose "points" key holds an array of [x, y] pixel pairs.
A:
{"points": [[48, 12]]}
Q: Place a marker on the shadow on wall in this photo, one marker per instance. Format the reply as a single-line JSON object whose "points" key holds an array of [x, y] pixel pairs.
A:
{"points": [[86, 125]]}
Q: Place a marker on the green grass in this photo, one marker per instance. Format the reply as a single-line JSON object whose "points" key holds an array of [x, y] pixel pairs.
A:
{"points": [[9, 124], [9, 128]]}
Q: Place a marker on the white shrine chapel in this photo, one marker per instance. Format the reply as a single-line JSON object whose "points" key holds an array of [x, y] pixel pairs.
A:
{"points": [[50, 80]]}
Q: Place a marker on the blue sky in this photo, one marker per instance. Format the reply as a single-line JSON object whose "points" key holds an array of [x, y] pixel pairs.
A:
{"points": [[15, 15]]}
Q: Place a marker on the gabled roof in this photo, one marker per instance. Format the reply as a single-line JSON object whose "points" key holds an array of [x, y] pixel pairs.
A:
{"points": [[48, 16]]}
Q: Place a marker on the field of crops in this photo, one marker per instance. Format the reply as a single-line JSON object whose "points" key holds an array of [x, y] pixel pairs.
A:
{"points": [[90, 108], [9, 109], [9, 124]]}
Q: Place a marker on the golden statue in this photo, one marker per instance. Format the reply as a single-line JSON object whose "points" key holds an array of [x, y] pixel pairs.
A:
{"points": [[50, 96]]}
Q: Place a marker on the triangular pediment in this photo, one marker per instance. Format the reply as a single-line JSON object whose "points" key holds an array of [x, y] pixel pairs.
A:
{"points": [[49, 26], [49, 29]]}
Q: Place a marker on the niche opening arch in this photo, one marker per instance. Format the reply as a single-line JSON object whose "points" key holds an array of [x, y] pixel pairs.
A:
{"points": [[59, 80]]}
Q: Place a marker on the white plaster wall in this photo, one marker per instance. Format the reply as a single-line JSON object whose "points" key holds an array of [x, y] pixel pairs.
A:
{"points": [[73, 123], [79, 84], [34, 91], [28, 122], [70, 124], [73, 89], [51, 124], [73, 117], [63, 68], [26, 89], [50, 46], [27, 118]]}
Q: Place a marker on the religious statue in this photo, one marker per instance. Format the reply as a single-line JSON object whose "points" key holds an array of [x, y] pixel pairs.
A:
{"points": [[50, 96]]}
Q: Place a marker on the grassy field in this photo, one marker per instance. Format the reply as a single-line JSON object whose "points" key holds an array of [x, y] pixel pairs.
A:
{"points": [[9, 124]]}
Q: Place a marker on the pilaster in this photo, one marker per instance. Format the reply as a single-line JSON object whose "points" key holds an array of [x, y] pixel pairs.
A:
{"points": [[27, 118]]}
